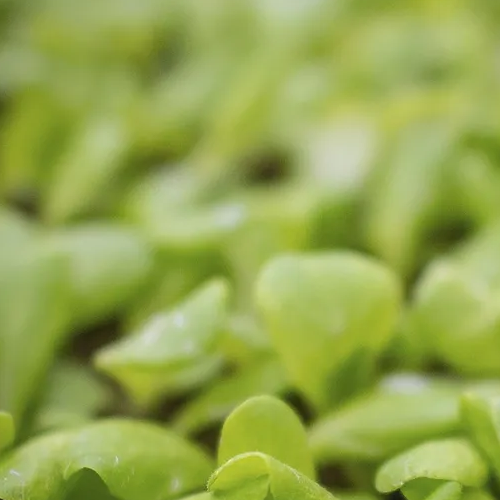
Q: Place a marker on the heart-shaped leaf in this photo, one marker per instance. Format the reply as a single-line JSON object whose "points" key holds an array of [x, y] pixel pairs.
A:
{"points": [[434, 470], [135, 460], [172, 349], [328, 315], [267, 425], [256, 476]]}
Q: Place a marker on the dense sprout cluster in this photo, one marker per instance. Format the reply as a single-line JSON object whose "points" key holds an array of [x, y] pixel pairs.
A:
{"points": [[249, 249]]}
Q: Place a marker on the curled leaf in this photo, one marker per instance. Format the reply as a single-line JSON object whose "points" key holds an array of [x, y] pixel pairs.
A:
{"points": [[267, 425], [135, 460], [328, 315], [434, 470], [256, 476], [172, 349]]}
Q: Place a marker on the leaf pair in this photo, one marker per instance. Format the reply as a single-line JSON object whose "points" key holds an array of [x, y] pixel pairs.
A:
{"points": [[264, 455]]}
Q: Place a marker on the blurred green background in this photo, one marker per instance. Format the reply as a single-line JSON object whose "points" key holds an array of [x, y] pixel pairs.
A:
{"points": [[147, 146]]}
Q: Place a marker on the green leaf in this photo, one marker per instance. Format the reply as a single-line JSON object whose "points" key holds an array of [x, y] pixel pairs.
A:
{"points": [[410, 192], [267, 425], [455, 310], [172, 349], [109, 265], [220, 398], [135, 460], [400, 413], [256, 476], [481, 414], [35, 305], [6, 430], [348, 305], [87, 167], [434, 470], [73, 396]]}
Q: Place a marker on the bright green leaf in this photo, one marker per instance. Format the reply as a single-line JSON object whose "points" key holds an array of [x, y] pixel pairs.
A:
{"points": [[135, 460], [255, 476], [267, 425], [328, 315], [172, 349], [434, 470]]}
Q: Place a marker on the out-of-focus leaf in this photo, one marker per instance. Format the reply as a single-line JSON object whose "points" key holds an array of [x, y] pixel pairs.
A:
{"points": [[455, 310], [434, 470], [35, 307], [387, 421], [347, 304], [109, 265], [172, 349], [73, 395], [217, 401], [86, 170], [267, 425], [15, 232], [134, 459], [481, 414], [256, 476], [410, 191], [6, 430], [356, 496]]}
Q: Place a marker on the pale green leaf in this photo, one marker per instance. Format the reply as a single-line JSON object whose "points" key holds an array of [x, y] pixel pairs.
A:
{"points": [[135, 460], [35, 307], [399, 414], [109, 264], [328, 314], [173, 349], [434, 470], [73, 395], [267, 425]]}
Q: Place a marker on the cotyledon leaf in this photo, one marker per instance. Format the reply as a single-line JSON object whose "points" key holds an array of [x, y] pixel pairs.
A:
{"points": [[402, 412], [134, 459], [6, 429], [267, 425], [435, 470], [256, 476], [220, 398], [172, 348], [323, 311]]}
